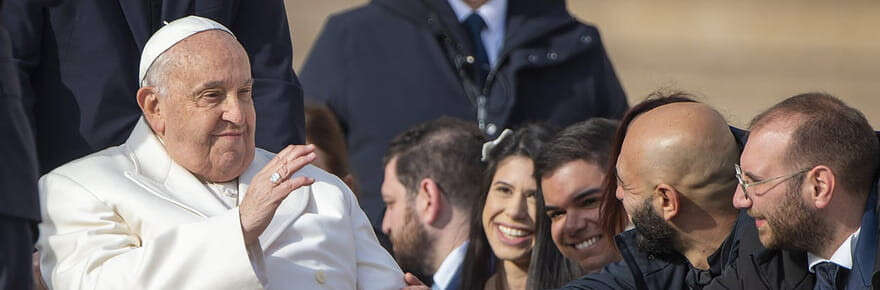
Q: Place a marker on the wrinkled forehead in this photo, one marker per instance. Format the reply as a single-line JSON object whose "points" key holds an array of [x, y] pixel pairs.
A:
{"points": [[209, 57], [211, 45]]}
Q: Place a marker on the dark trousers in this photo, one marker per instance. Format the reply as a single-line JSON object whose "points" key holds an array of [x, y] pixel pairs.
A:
{"points": [[16, 250]]}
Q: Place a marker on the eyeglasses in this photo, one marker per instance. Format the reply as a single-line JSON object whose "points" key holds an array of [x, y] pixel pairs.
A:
{"points": [[746, 185]]}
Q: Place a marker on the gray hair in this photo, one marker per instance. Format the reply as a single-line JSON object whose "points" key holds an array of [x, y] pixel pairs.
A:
{"points": [[157, 74]]}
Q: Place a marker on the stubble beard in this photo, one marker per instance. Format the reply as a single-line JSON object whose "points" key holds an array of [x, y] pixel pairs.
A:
{"points": [[412, 248], [795, 225], [653, 235]]}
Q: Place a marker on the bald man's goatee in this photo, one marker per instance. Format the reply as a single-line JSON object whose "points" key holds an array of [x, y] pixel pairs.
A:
{"points": [[653, 235]]}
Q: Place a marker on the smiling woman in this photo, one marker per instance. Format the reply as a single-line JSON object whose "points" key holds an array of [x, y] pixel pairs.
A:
{"points": [[503, 221]]}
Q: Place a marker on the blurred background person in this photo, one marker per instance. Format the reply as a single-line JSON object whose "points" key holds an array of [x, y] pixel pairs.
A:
{"points": [[322, 130], [77, 63], [19, 208], [569, 241], [503, 219], [432, 181], [387, 65]]}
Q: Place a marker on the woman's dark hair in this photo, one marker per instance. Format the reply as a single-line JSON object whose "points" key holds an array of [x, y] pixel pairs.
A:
{"points": [[589, 141], [479, 261], [612, 216], [323, 130]]}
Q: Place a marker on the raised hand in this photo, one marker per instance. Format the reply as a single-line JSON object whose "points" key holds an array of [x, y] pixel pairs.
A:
{"points": [[269, 188]]}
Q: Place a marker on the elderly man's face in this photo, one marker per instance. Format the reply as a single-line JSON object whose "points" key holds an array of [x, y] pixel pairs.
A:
{"points": [[207, 108]]}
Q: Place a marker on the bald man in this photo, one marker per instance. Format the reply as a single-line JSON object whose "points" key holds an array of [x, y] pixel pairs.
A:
{"points": [[675, 183]]}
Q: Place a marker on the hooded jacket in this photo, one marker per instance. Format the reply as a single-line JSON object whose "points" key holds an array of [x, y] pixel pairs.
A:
{"points": [[391, 64]]}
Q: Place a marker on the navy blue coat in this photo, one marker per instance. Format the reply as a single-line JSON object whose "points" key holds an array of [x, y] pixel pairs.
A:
{"points": [[18, 175], [77, 61], [642, 271], [391, 64]]}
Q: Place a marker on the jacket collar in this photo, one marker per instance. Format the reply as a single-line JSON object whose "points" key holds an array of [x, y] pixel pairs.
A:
{"points": [[526, 19], [643, 265], [866, 246], [876, 271], [163, 177], [793, 273], [260, 160]]}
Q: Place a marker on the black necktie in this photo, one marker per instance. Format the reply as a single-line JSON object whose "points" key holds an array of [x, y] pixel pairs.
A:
{"points": [[827, 276], [475, 25]]}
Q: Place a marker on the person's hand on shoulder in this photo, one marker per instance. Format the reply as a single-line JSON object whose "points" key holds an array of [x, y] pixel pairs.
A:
{"points": [[413, 283]]}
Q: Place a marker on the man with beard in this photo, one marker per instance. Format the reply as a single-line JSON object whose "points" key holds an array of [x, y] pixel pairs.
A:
{"points": [[807, 177], [432, 178], [673, 158]]}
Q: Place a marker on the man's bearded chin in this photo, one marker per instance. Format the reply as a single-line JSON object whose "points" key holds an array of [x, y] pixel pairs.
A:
{"points": [[410, 249], [653, 235], [795, 225]]}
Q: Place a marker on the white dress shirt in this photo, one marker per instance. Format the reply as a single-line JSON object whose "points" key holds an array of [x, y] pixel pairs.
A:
{"points": [[494, 13], [841, 257], [450, 265]]}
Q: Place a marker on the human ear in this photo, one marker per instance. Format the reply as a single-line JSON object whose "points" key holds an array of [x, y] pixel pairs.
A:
{"points": [[431, 200], [149, 101], [669, 203], [821, 182]]}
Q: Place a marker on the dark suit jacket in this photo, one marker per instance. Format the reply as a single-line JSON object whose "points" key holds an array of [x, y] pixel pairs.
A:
{"points": [[77, 61], [18, 175], [760, 268], [391, 64], [863, 272]]}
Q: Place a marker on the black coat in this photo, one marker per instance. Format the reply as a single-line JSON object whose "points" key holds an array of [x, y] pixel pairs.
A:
{"points": [[643, 271], [78, 60], [761, 268], [18, 175], [391, 64]]}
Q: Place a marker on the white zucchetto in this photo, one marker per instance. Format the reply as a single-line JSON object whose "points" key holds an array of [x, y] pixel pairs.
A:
{"points": [[171, 34]]}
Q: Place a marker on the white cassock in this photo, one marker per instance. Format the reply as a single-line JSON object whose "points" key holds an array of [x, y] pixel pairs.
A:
{"points": [[128, 217]]}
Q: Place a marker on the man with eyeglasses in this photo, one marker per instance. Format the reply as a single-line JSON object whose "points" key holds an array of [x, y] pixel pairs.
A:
{"points": [[807, 176]]}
